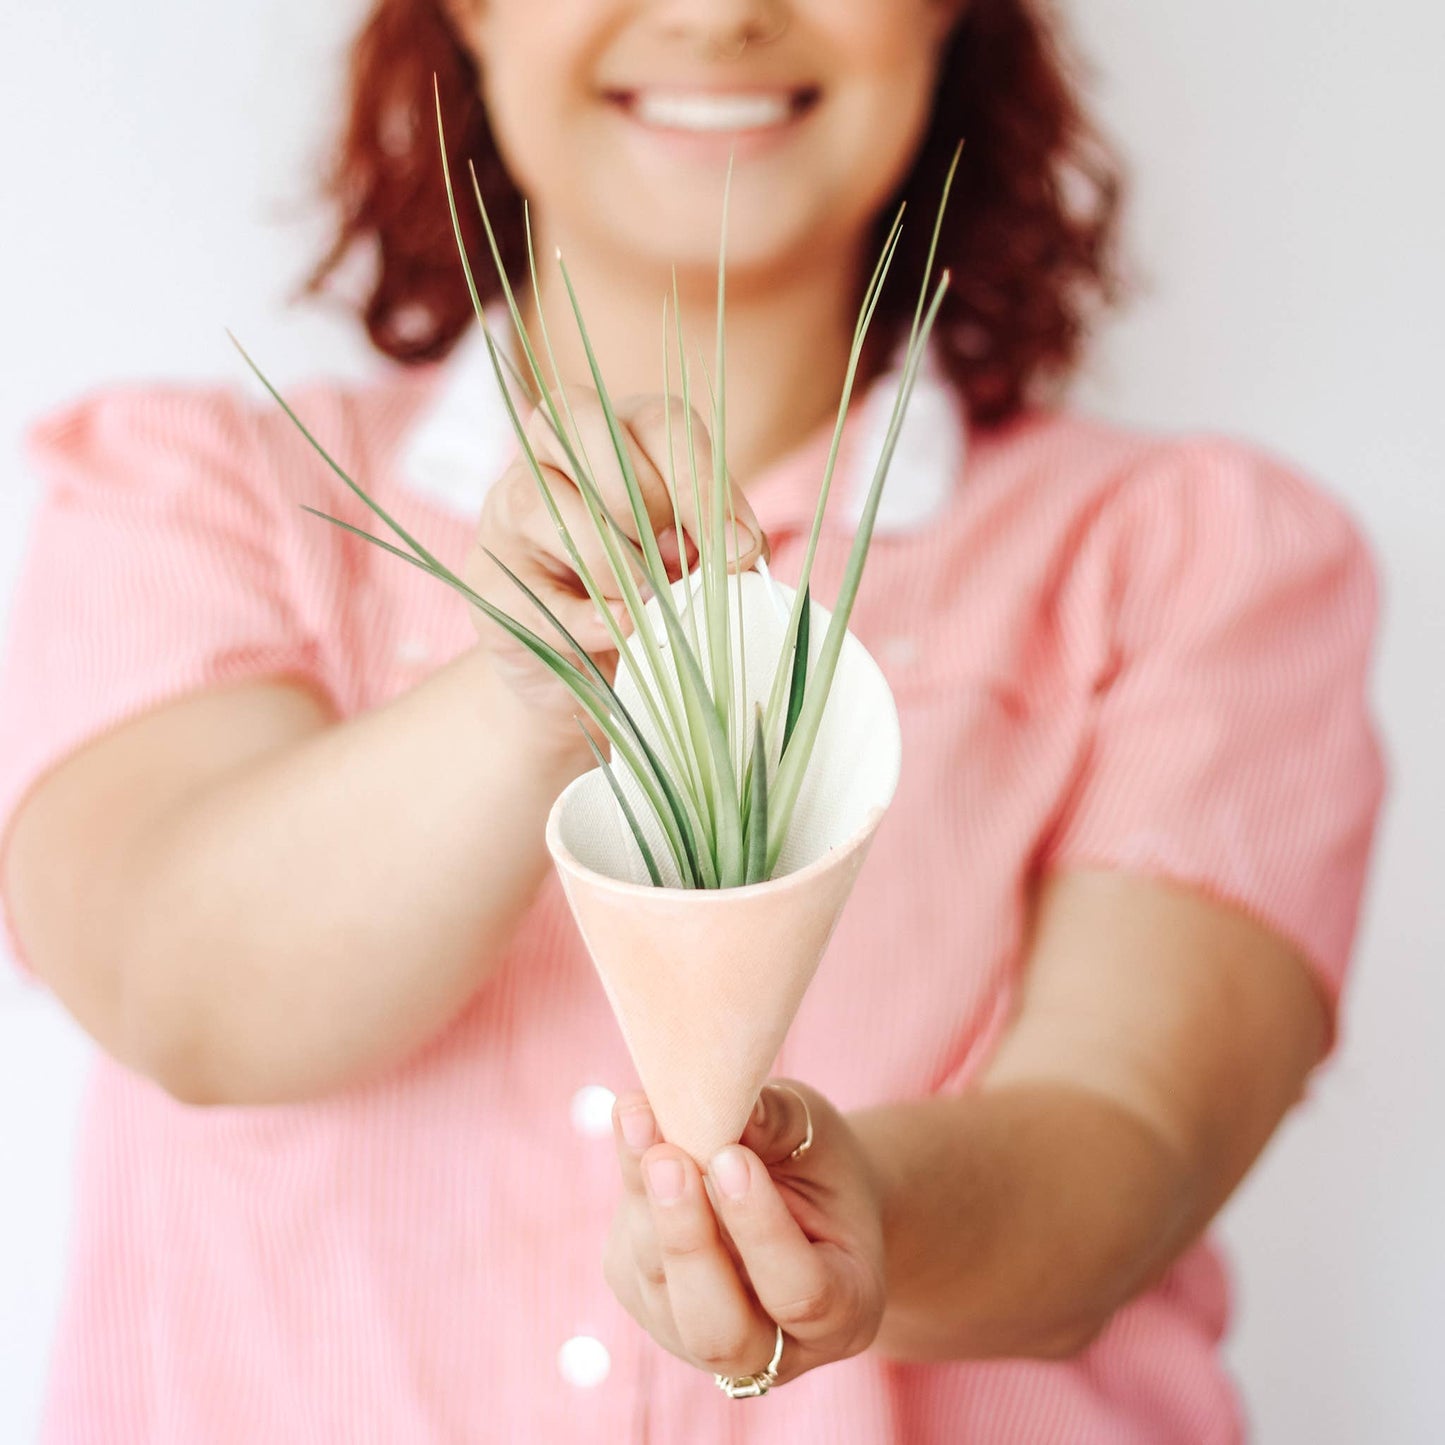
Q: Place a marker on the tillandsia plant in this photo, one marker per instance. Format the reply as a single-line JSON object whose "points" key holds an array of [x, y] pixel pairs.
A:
{"points": [[721, 786]]}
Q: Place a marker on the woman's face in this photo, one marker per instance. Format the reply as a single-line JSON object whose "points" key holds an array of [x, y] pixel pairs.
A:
{"points": [[616, 118]]}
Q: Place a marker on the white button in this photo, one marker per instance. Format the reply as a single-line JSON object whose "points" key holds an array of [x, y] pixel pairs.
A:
{"points": [[412, 651], [592, 1111], [584, 1362]]}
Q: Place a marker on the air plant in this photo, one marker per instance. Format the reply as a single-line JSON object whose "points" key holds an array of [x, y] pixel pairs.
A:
{"points": [[720, 785]]}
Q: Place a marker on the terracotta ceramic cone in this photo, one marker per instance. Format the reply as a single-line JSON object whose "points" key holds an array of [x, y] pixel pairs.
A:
{"points": [[705, 983]]}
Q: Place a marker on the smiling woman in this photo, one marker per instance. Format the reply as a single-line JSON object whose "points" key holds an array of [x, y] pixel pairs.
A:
{"points": [[881, 97], [356, 1164]]}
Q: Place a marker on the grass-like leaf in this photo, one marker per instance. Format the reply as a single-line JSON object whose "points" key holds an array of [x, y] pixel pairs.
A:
{"points": [[720, 804], [757, 869], [798, 683], [637, 834]]}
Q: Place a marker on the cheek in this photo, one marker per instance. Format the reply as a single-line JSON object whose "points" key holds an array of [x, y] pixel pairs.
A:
{"points": [[885, 56], [888, 34], [535, 51], [882, 117], [527, 106]]}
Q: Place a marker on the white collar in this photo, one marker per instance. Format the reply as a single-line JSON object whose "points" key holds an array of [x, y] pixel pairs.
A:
{"points": [[463, 440]]}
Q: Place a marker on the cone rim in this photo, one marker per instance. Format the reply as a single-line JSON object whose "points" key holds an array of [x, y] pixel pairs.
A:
{"points": [[565, 858]]}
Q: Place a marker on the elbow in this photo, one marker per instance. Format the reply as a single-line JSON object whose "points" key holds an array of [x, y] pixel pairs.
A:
{"points": [[177, 1051], [1052, 1336], [167, 1055], [153, 1042], [195, 1078], [170, 1038], [1067, 1339], [185, 1084], [203, 1066]]}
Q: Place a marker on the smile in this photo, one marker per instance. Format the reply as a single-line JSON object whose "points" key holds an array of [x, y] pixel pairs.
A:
{"points": [[714, 112]]}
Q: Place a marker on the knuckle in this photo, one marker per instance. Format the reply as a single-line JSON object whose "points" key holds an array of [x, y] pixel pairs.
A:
{"points": [[658, 411], [580, 402], [511, 499], [683, 1245], [814, 1308], [646, 408], [721, 1350], [538, 421]]}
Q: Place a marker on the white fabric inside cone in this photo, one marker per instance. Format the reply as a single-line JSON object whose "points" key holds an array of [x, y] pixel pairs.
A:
{"points": [[851, 775]]}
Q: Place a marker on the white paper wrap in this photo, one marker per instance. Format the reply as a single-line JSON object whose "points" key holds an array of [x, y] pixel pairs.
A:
{"points": [[853, 769]]}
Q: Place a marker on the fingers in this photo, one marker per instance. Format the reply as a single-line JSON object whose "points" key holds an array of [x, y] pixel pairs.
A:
{"points": [[593, 444], [643, 423], [634, 1131], [546, 554], [648, 422], [714, 1265], [792, 1278], [517, 530], [716, 1320]]}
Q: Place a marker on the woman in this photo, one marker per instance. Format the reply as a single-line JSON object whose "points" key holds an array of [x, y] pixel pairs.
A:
{"points": [[351, 1156]]}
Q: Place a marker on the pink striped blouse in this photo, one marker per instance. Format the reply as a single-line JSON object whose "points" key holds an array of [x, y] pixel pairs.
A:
{"points": [[1108, 648]]}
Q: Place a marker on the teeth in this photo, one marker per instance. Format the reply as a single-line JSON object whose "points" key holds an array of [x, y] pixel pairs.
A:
{"points": [[712, 112]]}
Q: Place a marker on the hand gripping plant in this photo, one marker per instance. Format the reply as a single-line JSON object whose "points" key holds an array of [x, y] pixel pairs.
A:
{"points": [[754, 743]]}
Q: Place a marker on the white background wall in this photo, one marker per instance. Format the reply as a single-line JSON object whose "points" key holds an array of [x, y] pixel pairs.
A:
{"points": [[1289, 208]]}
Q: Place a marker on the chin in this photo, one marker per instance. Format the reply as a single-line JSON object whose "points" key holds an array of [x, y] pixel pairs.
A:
{"points": [[757, 244]]}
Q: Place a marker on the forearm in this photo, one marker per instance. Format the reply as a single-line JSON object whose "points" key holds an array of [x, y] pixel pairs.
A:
{"points": [[1019, 1217], [320, 913]]}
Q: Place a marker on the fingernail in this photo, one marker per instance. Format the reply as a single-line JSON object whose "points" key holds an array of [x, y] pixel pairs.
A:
{"points": [[760, 1111], [730, 1170], [664, 1179], [639, 1128]]}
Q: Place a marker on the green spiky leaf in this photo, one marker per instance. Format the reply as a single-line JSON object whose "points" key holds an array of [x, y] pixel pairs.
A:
{"points": [[722, 809]]}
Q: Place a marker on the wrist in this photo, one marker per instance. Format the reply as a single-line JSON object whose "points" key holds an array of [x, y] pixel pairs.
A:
{"points": [[543, 742], [884, 1134]]}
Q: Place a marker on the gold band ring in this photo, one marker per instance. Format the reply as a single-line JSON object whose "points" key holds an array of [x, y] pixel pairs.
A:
{"points": [[807, 1121], [749, 1387]]}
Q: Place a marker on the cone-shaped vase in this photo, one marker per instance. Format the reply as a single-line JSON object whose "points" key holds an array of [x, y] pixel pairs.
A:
{"points": [[705, 983]]}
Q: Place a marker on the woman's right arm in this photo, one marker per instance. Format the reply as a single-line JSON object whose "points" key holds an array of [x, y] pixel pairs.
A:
{"points": [[251, 902]]}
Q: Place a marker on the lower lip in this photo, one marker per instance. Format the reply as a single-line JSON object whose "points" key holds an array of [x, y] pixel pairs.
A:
{"points": [[714, 146]]}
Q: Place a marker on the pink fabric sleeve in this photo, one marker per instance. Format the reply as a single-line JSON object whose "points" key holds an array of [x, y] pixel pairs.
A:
{"points": [[152, 572], [1233, 749]]}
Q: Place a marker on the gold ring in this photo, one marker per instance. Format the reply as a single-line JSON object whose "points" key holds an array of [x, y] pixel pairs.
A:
{"points": [[807, 1120], [749, 1387]]}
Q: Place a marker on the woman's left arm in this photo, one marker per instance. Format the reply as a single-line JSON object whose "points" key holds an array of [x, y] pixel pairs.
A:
{"points": [[1158, 1042], [1159, 1038]]}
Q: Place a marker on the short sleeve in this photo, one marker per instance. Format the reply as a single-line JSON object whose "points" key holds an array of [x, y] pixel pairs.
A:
{"points": [[1232, 747], [152, 571]]}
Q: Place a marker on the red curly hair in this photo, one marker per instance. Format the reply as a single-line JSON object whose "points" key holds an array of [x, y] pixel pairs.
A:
{"points": [[1030, 234]]}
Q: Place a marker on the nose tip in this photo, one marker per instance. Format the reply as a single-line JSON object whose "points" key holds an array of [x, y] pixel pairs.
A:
{"points": [[725, 28]]}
